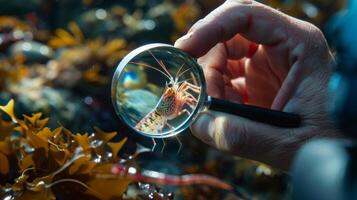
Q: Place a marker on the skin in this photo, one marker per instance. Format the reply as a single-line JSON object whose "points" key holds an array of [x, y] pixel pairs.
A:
{"points": [[254, 54]]}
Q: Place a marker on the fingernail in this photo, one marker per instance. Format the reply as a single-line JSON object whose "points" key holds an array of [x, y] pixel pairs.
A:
{"points": [[179, 42], [202, 127]]}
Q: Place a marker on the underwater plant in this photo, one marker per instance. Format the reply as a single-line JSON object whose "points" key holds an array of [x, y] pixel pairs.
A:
{"points": [[39, 163]]}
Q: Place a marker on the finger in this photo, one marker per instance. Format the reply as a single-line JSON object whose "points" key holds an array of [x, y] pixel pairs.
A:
{"points": [[245, 138], [214, 82], [217, 67], [215, 58], [219, 72], [239, 85], [218, 76], [285, 91], [214, 65], [232, 95], [261, 81], [236, 68], [238, 47], [256, 22]]}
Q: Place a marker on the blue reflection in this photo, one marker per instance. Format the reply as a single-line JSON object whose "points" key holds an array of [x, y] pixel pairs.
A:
{"points": [[130, 77]]}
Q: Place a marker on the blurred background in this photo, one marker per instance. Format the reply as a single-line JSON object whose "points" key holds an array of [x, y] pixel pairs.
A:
{"points": [[58, 57]]}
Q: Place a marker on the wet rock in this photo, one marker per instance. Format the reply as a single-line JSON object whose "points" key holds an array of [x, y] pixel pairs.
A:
{"points": [[98, 22], [33, 51]]}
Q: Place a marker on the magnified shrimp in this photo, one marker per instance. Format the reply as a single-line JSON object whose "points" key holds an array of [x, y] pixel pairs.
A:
{"points": [[171, 104]]}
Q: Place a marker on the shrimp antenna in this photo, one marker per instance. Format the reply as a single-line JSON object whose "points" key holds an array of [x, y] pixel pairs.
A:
{"points": [[161, 64], [151, 67], [183, 72], [179, 69]]}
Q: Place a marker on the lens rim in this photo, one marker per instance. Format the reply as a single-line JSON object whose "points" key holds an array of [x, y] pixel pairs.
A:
{"points": [[202, 98]]}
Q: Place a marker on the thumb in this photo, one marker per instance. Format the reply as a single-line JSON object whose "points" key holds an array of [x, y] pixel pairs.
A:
{"points": [[246, 138]]}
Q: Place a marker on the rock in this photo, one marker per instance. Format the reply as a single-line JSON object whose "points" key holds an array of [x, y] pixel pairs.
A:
{"points": [[33, 51], [137, 103]]}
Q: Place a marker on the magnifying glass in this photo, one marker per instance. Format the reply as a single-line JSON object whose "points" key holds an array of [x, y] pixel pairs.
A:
{"points": [[159, 90]]}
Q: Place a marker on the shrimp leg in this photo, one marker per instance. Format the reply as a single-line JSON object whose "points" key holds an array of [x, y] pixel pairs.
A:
{"points": [[154, 145], [180, 145]]}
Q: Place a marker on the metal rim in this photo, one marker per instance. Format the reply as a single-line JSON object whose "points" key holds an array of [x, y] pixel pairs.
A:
{"points": [[201, 99]]}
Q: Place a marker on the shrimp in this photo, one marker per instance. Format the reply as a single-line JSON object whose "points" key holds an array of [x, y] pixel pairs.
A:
{"points": [[171, 104]]}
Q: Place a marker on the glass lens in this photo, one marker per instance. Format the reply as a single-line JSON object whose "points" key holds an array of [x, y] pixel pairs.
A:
{"points": [[158, 90]]}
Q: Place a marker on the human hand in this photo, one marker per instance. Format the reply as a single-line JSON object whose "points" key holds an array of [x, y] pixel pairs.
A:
{"points": [[254, 54]]}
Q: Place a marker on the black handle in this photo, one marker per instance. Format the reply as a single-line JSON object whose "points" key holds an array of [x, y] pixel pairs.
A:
{"points": [[268, 116]]}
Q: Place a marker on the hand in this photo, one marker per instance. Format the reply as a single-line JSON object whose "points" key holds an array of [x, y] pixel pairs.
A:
{"points": [[258, 55]]}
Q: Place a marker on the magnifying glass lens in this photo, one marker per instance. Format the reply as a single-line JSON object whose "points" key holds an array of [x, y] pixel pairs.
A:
{"points": [[157, 90]]}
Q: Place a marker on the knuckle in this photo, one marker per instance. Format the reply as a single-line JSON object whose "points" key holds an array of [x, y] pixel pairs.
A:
{"points": [[315, 42], [315, 34], [316, 31]]}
